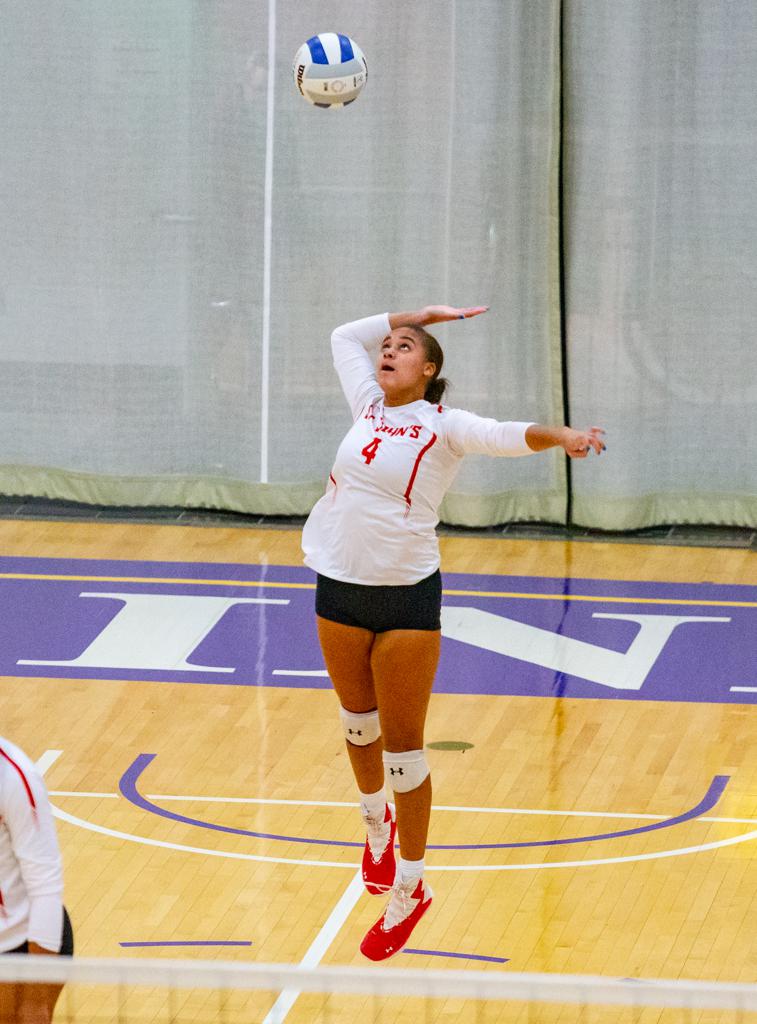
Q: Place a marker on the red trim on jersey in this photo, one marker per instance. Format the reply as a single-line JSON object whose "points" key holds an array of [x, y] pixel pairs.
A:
{"points": [[24, 779], [331, 478], [413, 475], [439, 408], [3, 911]]}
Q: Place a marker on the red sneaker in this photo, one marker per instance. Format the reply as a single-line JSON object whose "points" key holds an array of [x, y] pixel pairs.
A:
{"points": [[407, 905], [379, 865]]}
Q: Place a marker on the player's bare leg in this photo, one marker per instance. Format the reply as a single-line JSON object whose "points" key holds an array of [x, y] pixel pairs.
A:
{"points": [[347, 653], [403, 664]]}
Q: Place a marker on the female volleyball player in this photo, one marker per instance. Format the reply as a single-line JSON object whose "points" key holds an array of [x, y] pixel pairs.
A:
{"points": [[32, 916], [372, 542]]}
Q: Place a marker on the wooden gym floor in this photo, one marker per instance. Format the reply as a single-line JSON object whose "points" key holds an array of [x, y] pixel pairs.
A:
{"points": [[596, 796]]}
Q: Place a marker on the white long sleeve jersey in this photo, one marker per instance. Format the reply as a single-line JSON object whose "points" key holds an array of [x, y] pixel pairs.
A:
{"points": [[375, 524], [31, 877]]}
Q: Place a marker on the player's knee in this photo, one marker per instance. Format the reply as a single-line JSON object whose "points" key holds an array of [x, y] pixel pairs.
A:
{"points": [[405, 771], [360, 727]]}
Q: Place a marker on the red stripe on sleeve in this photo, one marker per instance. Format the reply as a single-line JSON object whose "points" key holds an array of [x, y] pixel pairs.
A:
{"points": [[413, 475], [23, 778]]}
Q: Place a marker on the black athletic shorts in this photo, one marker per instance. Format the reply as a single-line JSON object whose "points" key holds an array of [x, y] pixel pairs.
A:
{"points": [[379, 609], [66, 942]]}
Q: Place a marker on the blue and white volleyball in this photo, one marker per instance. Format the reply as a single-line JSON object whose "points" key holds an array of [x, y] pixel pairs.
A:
{"points": [[330, 70]]}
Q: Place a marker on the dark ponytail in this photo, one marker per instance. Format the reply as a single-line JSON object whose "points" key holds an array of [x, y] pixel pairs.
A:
{"points": [[435, 390], [437, 386]]}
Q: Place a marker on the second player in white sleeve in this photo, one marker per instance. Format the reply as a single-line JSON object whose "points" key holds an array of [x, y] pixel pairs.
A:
{"points": [[371, 540], [33, 919]]}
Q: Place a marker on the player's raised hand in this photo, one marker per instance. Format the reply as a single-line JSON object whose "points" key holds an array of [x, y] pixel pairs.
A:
{"points": [[578, 443], [439, 314]]}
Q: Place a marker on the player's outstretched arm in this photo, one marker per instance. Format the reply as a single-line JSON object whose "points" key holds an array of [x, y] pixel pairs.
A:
{"points": [[576, 443], [434, 315]]}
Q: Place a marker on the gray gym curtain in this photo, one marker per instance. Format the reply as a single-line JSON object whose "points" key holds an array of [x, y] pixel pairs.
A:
{"points": [[661, 259], [180, 231]]}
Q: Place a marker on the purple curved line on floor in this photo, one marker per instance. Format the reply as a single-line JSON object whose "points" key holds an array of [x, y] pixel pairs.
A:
{"points": [[128, 788], [190, 942], [708, 801], [460, 956]]}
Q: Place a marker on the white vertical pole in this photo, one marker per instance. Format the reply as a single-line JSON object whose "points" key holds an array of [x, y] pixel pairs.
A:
{"points": [[451, 143], [267, 236]]}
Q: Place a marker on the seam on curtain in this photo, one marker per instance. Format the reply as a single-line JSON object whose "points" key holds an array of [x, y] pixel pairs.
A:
{"points": [[561, 253]]}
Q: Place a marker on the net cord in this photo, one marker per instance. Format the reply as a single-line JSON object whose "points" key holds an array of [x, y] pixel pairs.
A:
{"points": [[445, 984]]}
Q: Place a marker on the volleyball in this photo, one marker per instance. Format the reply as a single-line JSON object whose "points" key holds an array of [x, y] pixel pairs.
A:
{"points": [[330, 70]]}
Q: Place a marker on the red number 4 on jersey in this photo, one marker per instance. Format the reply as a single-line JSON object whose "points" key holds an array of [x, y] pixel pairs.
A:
{"points": [[369, 452]]}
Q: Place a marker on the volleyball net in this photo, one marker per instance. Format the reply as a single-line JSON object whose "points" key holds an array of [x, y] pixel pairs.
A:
{"points": [[137, 991]]}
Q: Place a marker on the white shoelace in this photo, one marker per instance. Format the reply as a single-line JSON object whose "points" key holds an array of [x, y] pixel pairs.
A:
{"points": [[378, 834], [401, 903]]}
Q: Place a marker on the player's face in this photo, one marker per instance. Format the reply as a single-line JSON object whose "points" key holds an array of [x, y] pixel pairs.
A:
{"points": [[403, 370]]}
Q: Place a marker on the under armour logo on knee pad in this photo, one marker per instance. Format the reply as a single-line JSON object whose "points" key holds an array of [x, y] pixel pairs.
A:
{"points": [[405, 769], [360, 728]]}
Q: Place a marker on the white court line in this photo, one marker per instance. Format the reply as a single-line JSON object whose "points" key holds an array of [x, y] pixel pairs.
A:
{"points": [[738, 689], [632, 858], [128, 837], [47, 760], [528, 866], [50, 756], [292, 672], [74, 792], [625, 815], [320, 944]]}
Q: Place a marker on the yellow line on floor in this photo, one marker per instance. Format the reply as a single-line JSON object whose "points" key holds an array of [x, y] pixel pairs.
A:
{"points": [[512, 594]]}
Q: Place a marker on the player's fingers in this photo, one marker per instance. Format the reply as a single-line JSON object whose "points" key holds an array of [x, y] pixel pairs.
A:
{"points": [[594, 437], [469, 311]]}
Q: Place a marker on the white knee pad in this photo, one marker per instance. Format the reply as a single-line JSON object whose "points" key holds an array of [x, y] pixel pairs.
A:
{"points": [[360, 728], [405, 771]]}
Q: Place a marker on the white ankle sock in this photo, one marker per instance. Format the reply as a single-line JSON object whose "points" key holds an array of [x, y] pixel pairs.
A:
{"points": [[409, 869], [373, 805]]}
